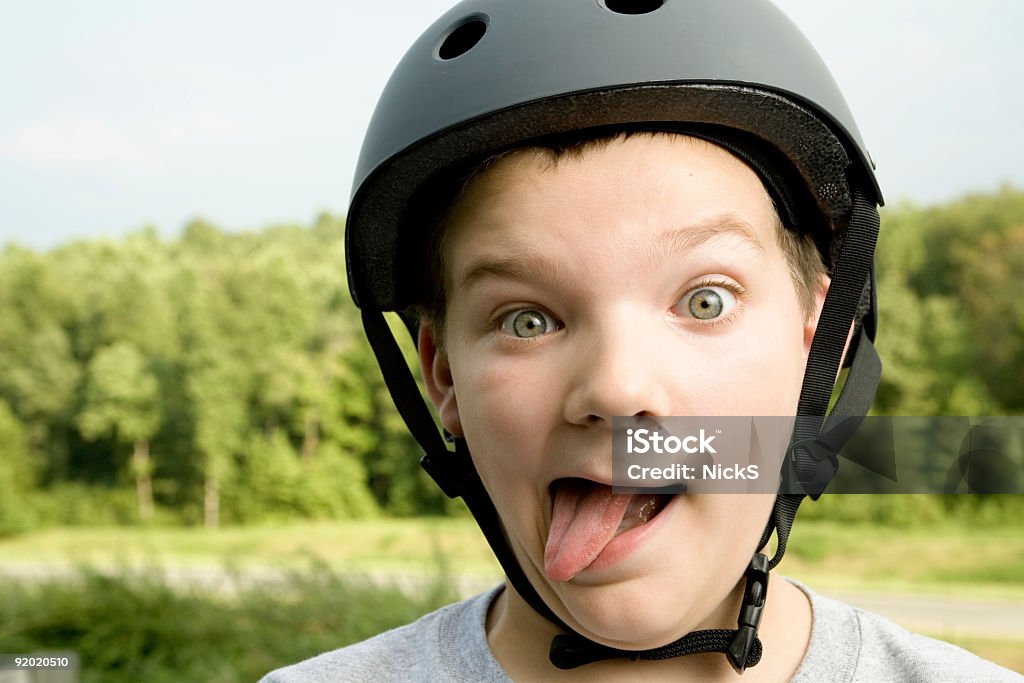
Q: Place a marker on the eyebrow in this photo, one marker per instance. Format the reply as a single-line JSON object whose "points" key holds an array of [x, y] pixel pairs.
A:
{"points": [[527, 264], [684, 239]]}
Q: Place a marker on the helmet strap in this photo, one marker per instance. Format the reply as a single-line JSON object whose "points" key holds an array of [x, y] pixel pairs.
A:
{"points": [[811, 460]]}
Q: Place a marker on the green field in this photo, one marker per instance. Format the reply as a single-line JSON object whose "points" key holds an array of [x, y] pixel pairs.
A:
{"points": [[363, 546], [131, 621], [976, 561]]}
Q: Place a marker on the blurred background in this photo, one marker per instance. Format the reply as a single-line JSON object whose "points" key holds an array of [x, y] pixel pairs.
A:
{"points": [[195, 443]]}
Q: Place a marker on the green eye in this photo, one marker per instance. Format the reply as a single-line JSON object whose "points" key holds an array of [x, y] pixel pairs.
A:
{"points": [[708, 303], [527, 324]]}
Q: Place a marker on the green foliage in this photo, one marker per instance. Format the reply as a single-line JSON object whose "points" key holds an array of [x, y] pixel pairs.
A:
{"points": [[913, 511], [320, 494], [77, 504], [17, 478], [136, 626], [902, 511], [990, 290], [120, 395], [273, 482], [951, 332], [224, 375]]}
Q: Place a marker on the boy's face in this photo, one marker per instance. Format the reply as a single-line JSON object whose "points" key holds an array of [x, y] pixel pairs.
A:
{"points": [[644, 277]]}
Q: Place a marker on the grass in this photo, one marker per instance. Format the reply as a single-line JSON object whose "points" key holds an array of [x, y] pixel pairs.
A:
{"points": [[852, 556], [377, 545], [131, 625], [975, 562]]}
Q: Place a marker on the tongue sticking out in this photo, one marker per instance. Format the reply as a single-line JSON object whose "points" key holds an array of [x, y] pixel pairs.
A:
{"points": [[585, 517]]}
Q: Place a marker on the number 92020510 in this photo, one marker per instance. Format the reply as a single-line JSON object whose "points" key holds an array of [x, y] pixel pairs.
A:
{"points": [[38, 661]]}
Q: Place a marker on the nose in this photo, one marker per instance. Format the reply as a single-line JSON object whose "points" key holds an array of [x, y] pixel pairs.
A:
{"points": [[619, 369]]}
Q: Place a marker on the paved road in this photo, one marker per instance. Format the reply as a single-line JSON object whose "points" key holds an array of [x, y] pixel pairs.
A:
{"points": [[938, 615]]}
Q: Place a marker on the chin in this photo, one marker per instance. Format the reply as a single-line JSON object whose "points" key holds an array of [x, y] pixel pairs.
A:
{"points": [[635, 615]]}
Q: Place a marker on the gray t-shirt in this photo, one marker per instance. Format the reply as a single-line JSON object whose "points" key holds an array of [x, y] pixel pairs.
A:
{"points": [[847, 644]]}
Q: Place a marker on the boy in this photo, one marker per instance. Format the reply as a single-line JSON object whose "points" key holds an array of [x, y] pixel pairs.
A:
{"points": [[613, 209]]}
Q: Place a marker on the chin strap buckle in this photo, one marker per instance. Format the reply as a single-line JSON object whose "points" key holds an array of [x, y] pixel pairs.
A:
{"points": [[750, 613]]}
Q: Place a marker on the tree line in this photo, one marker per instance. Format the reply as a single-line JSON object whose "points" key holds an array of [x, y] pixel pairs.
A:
{"points": [[219, 377], [214, 377]]}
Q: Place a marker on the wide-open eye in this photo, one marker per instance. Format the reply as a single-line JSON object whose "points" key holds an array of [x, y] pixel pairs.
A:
{"points": [[707, 302], [528, 323]]}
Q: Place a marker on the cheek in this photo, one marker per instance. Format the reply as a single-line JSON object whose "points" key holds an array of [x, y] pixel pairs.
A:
{"points": [[505, 407], [741, 517], [780, 369], [759, 370]]}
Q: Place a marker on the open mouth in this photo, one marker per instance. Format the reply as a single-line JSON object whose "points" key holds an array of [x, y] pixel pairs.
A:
{"points": [[642, 508], [586, 516]]}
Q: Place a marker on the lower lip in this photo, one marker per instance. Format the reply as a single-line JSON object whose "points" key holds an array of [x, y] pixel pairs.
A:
{"points": [[626, 543]]}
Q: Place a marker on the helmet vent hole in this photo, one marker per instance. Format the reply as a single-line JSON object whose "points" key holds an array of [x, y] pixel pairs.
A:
{"points": [[633, 6], [462, 38]]}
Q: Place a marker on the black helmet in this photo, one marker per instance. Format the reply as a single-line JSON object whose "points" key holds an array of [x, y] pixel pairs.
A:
{"points": [[492, 75]]}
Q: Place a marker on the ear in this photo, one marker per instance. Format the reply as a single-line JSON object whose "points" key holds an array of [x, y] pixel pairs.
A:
{"points": [[437, 376], [812, 322]]}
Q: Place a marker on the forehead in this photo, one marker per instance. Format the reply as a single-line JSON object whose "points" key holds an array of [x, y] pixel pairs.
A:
{"points": [[655, 191]]}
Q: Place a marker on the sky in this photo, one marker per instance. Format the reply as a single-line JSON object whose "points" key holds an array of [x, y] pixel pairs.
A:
{"points": [[118, 115]]}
